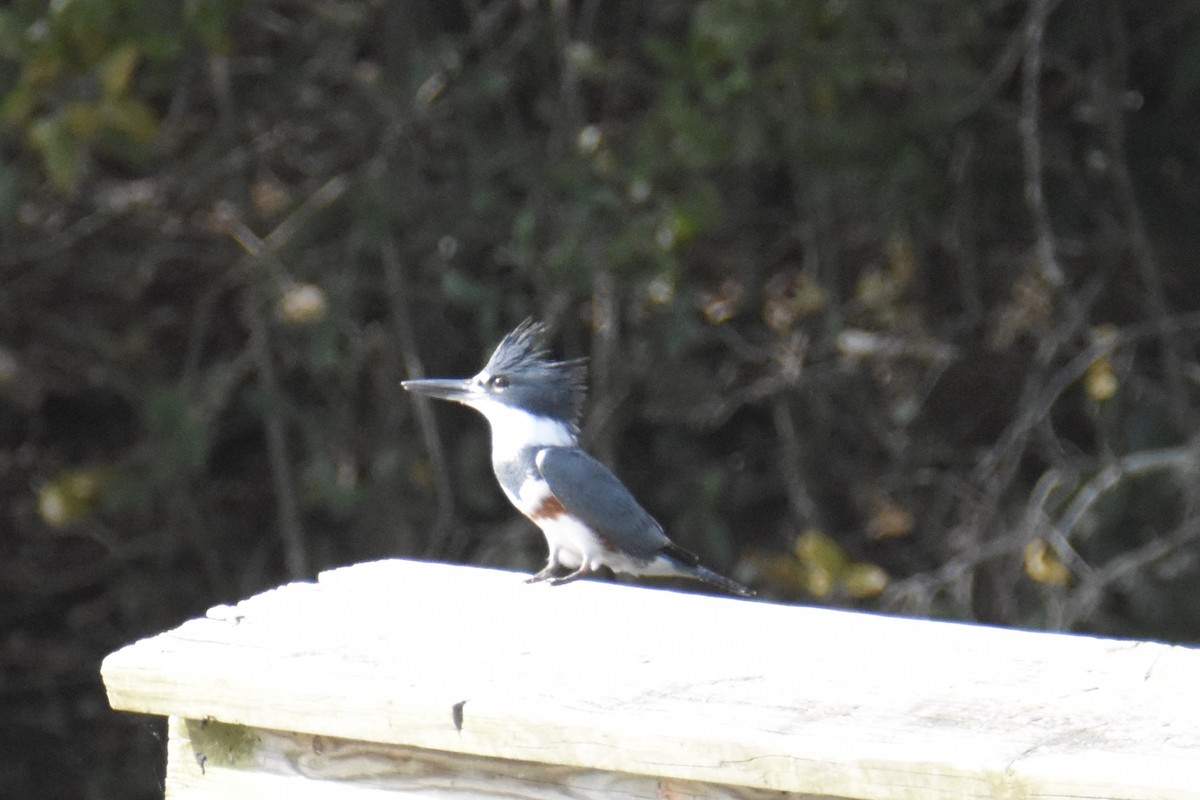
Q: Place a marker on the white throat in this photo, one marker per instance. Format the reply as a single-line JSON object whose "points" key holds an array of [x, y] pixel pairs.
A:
{"points": [[514, 429]]}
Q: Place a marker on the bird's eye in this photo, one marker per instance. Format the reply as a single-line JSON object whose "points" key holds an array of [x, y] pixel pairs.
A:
{"points": [[499, 382]]}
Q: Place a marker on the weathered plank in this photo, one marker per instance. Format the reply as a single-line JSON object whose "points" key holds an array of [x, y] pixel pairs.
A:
{"points": [[622, 679], [218, 760]]}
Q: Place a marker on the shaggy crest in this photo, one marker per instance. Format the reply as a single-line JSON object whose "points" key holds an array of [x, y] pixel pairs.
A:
{"points": [[537, 382]]}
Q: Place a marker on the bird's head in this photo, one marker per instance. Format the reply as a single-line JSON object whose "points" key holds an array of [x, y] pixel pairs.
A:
{"points": [[519, 376]]}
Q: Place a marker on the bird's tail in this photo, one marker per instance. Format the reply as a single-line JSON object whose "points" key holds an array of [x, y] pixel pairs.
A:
{"points": [[717, 579], [688, 564]]}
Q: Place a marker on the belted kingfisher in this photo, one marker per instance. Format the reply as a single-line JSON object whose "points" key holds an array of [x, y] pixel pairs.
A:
{"points": [[589, 518]]}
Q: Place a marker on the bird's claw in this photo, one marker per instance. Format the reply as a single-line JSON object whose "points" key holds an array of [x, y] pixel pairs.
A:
{"points": [[546, 574], [582, 572]]}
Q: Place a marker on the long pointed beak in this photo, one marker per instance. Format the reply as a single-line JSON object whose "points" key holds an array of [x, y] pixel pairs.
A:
{"points": [[456, 390]]}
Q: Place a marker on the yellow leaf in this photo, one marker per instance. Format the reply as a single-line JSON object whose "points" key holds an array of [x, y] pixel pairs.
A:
{"points": [[817, 580], [810, 295], [83, 120], [864, 579], [1100, 382], [303, 304], [44, 70], [71, 496], [1043, 565], [875, 290], [116, 70], [890, 520], [902, 261], [814, 548], [54, 506]]}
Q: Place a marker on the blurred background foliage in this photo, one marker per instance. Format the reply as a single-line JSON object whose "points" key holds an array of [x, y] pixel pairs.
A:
{"points": [[889, 305]]}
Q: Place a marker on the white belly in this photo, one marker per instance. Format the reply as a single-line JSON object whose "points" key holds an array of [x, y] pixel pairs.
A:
{"points": [[572, 544], [568, 538], [572, 541]]}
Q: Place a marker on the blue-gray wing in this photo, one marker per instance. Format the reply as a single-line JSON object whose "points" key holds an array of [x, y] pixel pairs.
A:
{"points": [[590, 491]]}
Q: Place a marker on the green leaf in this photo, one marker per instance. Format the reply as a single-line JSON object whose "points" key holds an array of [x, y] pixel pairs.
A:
{"points": [[60, 151], [8, 195], [208, 18], [178, 436], [131, 117], [83, 120]]}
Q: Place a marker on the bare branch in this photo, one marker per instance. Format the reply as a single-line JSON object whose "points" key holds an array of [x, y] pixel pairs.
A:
{"points": [[402, 330], [1029, 128], [291, 530], [802, 506]]}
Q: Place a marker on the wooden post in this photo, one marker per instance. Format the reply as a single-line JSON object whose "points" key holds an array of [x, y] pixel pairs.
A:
{"points": [[460, 682]]}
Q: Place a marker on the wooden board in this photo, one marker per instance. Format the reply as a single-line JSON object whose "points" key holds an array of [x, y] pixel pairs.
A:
{"points": [[233, 762], [696, 688]]}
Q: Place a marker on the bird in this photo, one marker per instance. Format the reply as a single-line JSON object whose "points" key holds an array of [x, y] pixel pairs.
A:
{"points": [[533, 405]]}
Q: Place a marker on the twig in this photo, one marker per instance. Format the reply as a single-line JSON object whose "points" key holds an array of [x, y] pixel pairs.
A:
{"points": [[402, 330], [799, 500], [1001, 459], [605, 336], [41, 250], [1176, 458], [1144, 256], [901, 595], [995, 471], [198, 329], [295, 553], [715, 411], [283, 233], [261, 252], [993, 82], [1029, 129], [1091, 591]]}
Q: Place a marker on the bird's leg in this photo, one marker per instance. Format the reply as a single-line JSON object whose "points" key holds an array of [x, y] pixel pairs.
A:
{"points": [[547, 572], [584, 570]]}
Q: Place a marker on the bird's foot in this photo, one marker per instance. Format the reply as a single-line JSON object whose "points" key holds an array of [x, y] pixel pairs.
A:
{"points": [[546, 574], [582, 572]]}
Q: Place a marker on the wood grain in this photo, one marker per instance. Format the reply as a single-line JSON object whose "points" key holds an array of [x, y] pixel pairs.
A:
{"points": [[622, 679]]}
